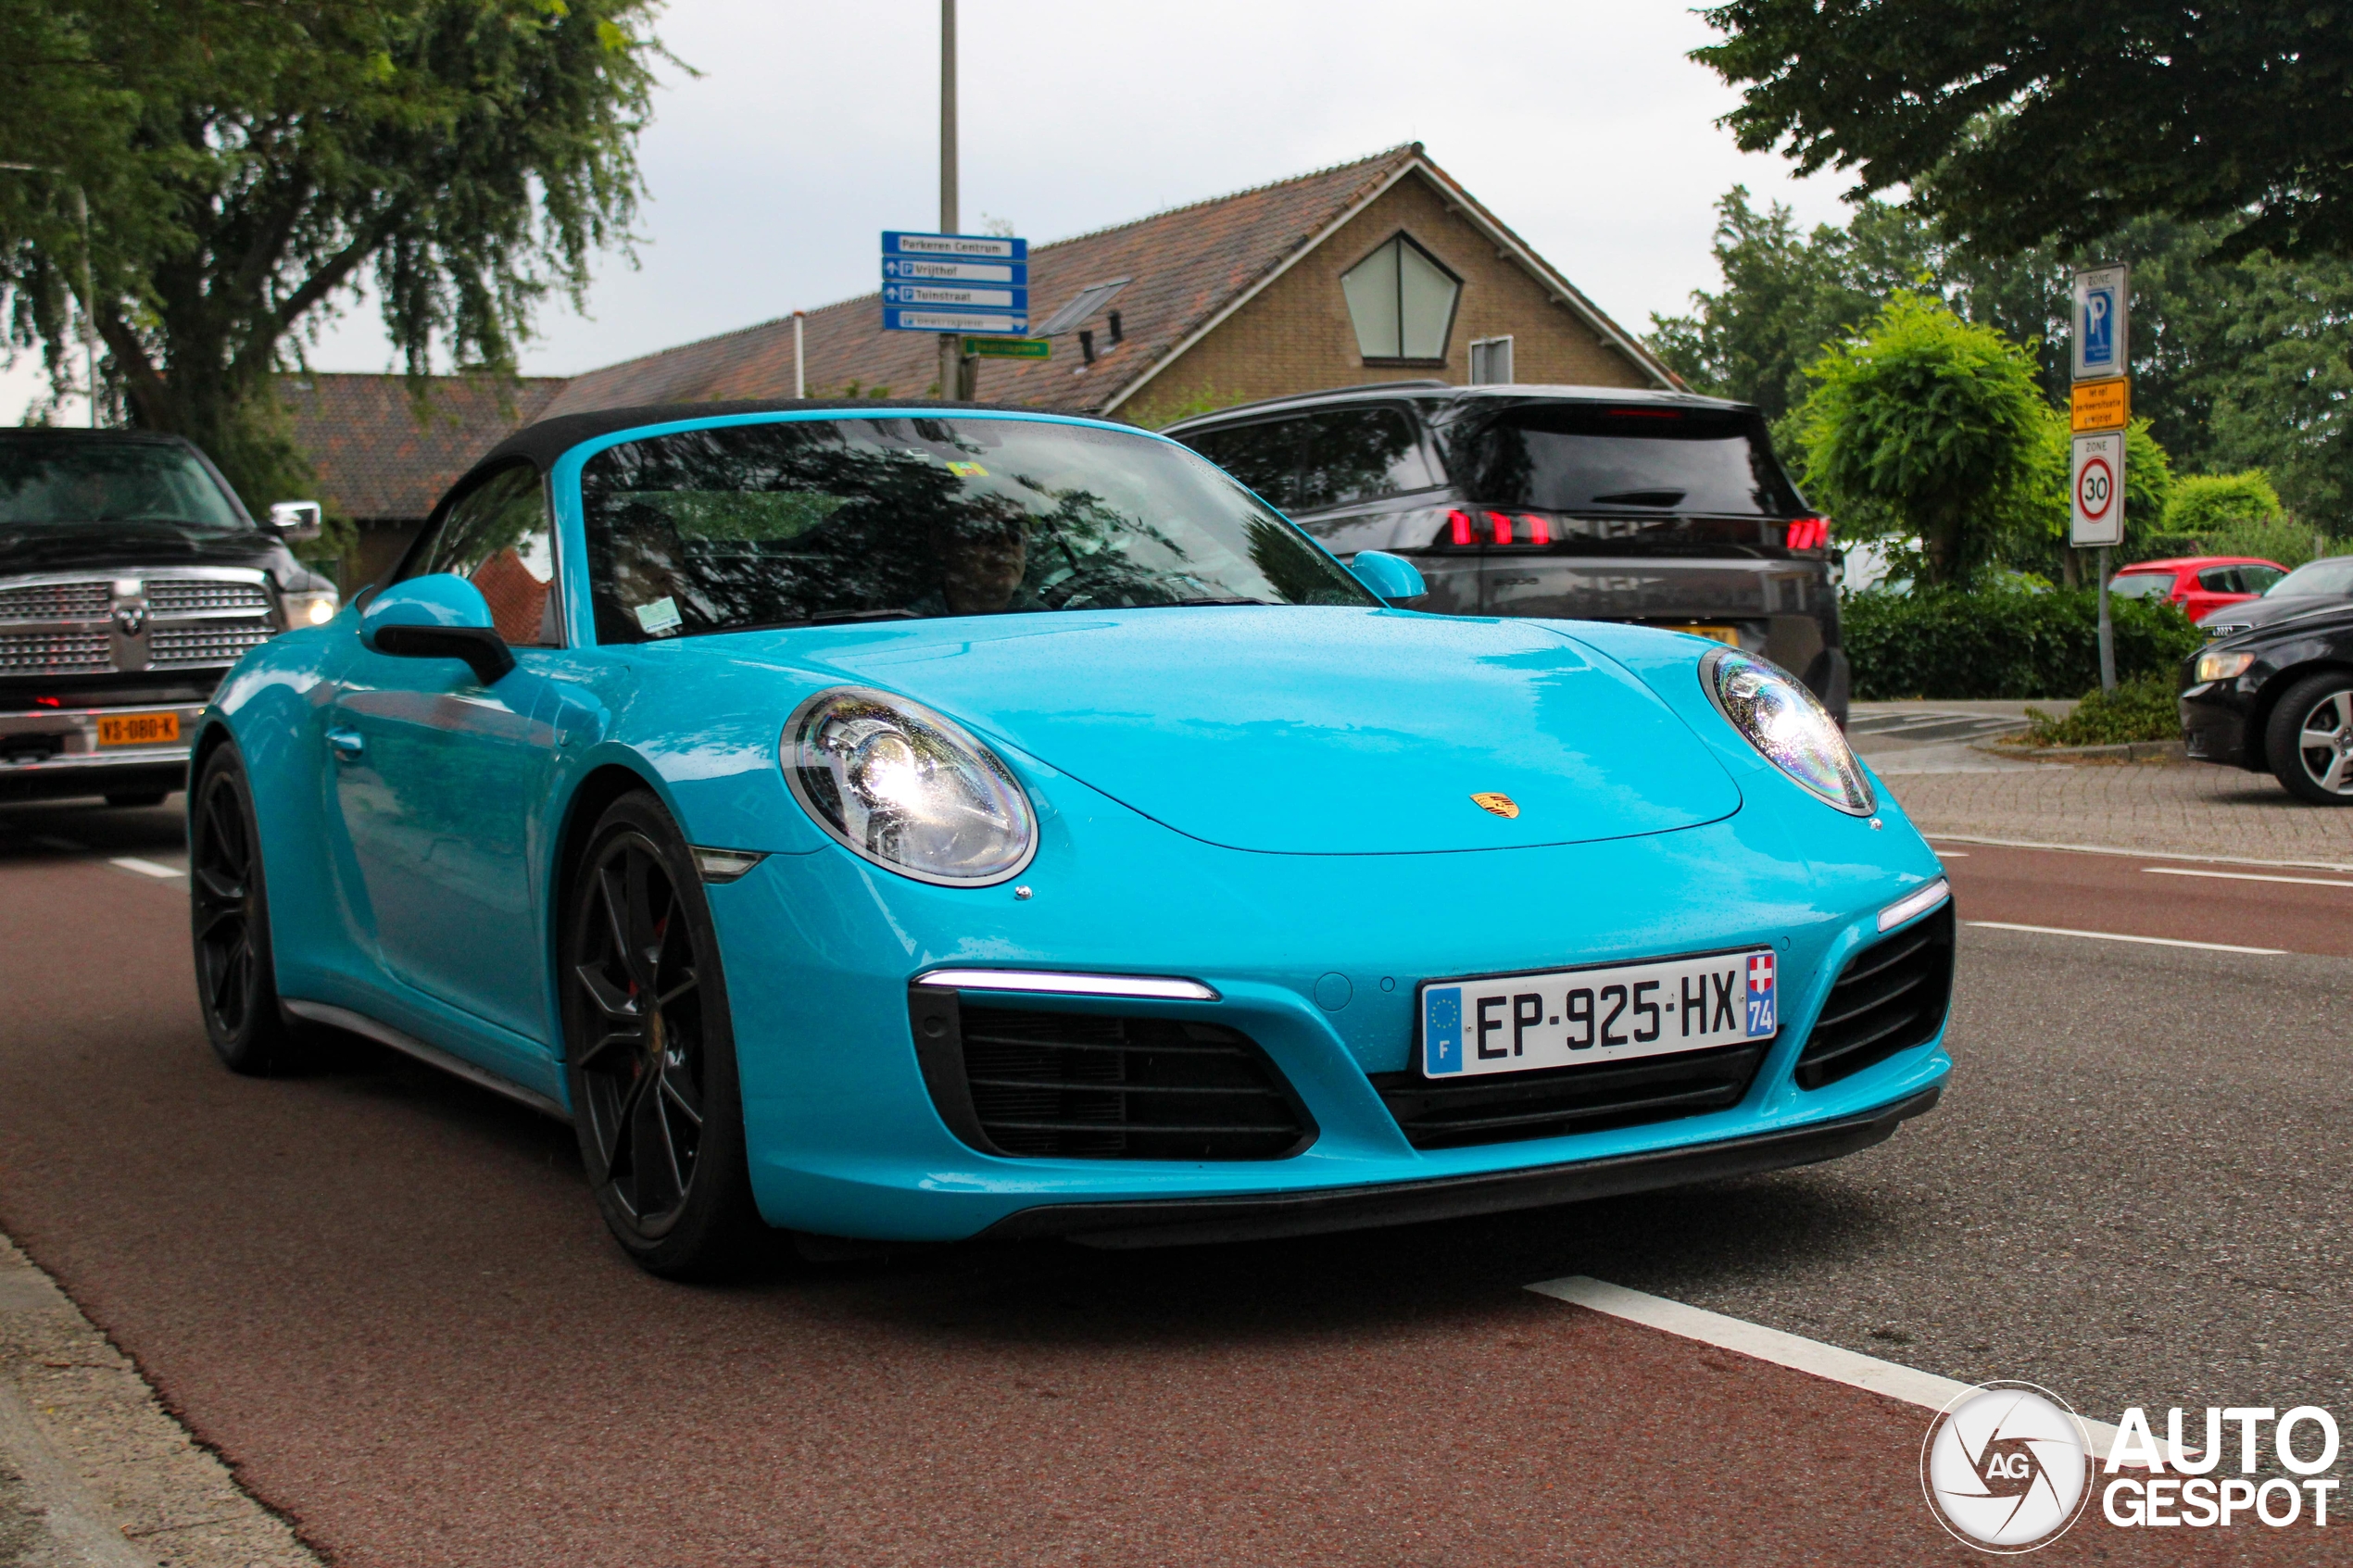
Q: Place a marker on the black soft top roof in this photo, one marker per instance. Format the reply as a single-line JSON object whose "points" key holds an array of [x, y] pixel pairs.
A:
{"points": [[549, 439]]}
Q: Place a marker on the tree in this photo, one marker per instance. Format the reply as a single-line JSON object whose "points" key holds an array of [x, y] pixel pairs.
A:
{"points": [[2236, 363], [2019, 122], [249, 166], [1928, 426]]}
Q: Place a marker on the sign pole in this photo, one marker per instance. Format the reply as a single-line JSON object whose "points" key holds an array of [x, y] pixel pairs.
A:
{"points": [[952, 358], [2108, 632]]}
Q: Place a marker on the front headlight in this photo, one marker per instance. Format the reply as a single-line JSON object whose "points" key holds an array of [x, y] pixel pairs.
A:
{"points": [[907, 788], [1784, 721], [2222, 666], [310, 609]]}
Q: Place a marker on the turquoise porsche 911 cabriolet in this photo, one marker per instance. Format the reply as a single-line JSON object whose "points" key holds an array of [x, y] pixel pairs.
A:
{"points": [[920, 822]]}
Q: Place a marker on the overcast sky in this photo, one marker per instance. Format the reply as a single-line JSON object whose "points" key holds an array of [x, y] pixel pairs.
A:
{"points": [[811, 127]]}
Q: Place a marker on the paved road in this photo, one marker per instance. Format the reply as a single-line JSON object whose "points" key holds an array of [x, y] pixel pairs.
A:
{"points": [[2242, 906], [386, 1300]]}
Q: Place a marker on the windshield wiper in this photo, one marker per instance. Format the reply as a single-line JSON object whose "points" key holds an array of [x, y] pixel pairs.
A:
{"points": [[825, 616]]}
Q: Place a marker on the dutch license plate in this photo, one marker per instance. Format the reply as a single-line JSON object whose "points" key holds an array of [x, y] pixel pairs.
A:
{"points": [[138, 729], [1562, 1018], [1727, 636]]}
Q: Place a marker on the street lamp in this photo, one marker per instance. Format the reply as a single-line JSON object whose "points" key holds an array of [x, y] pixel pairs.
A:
{"points": [[89, 300]]}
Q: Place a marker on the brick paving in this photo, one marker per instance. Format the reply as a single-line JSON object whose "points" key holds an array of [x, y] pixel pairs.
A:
{"points": [[2179, 808]]}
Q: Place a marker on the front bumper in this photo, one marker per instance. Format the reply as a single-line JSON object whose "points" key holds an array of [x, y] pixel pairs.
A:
{"points": [[2215, 724], [1186, 1221], [845, 1137], [47, 752]]}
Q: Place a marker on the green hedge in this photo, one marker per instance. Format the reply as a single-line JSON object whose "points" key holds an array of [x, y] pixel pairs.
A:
{"points": [[2003, 645]]}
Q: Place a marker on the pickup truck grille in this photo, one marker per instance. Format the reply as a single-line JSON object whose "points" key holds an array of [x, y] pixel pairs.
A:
{"points": [[54, 653], [128, 621], [59, 601]]}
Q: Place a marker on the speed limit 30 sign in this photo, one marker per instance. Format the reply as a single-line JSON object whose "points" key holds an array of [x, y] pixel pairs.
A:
{"points": [[2099, 491]]}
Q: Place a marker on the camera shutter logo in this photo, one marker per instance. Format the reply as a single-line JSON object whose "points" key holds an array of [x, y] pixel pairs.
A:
{"points": [[2007, 1467]]}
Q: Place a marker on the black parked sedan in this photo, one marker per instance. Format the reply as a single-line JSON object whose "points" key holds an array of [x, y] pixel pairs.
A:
{"points": [[2278, 696]]}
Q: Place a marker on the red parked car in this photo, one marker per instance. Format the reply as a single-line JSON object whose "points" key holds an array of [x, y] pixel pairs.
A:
{"points": [[2198, 583]]}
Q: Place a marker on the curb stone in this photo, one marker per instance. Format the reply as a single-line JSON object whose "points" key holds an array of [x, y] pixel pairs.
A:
{"points": [[2130, 751], [104, 1477]]}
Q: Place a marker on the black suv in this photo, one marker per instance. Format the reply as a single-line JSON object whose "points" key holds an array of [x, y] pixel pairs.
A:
{"points": [[1579, 502], [131, 579]]}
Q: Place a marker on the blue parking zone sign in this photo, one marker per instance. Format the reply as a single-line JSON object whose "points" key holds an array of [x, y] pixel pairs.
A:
{"points": [[1443, 1029], [2098, 327]]}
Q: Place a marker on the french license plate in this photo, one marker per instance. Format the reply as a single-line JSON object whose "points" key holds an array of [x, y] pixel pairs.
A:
{"points": [[138, 729], [1562, 1018]]}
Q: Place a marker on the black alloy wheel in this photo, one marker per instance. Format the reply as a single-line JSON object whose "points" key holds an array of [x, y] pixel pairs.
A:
{"points": [[650, 1053], [228, 918], [2309, 739]]}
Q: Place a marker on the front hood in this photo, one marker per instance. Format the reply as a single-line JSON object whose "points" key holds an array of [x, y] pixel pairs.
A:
{"points": [[26, 551], [1313, 731], [2252, 613]]}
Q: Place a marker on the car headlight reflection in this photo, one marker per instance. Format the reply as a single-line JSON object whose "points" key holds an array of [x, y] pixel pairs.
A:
{"points": [[907, 788], [1785, 722], [2222, 666]]}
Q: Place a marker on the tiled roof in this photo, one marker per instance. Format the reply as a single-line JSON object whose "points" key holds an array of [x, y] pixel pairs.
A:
{"points": [[1188, 264], [374, 458]]}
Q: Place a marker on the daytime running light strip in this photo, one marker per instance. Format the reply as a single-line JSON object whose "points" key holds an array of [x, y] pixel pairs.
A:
{"points": [[1913, 904], [1158, 987]]}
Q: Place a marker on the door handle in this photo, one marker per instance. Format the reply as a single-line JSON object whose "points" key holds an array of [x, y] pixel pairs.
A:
{"points": [[347, 743]]}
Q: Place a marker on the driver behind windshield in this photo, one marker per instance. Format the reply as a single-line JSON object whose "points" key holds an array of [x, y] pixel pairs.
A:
{"points": [[983, 556]]}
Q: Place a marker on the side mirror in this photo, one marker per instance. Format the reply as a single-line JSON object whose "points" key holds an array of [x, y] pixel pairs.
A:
{"points": [[297, 521], [1392, 577], [436, 616]]}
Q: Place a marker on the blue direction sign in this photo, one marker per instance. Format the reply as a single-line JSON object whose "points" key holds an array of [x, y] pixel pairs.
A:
{"points": [[955, 247], [897, 319], [974, 284], [957, 296]]}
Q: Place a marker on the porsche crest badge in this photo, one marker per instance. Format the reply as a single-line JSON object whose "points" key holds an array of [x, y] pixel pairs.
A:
{"points": [[1502, 805]]}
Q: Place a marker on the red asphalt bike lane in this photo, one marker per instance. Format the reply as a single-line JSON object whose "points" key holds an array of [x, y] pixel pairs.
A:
{"points": [[386, 1300], [2184, 901]]}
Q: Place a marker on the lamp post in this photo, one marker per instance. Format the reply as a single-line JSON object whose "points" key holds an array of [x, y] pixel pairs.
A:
{"points": [[89, 300]]}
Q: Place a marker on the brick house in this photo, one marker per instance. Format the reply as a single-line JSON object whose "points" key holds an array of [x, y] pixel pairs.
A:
{"points": [[1384, 269]]}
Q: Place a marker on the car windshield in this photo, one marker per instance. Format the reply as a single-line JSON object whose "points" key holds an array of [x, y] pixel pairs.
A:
{"points": [[2333, 577], [803, 522], [2141, 584], [1641, 461], [66, 482]]}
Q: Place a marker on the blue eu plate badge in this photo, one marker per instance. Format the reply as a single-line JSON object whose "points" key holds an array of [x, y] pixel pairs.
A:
{"points": [[1760, 995], [1442, 1030]]}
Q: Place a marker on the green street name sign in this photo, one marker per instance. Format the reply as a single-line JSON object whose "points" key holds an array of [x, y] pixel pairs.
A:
{"points": [[1008, 347]]}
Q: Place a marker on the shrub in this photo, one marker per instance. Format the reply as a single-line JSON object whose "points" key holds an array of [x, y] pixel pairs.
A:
{"points": [[1944, 644], [2207, 503], [2140, 709]]}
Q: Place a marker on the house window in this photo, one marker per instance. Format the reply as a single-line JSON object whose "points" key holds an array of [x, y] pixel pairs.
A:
{"points": [[1490, 361], [1402, 301]]}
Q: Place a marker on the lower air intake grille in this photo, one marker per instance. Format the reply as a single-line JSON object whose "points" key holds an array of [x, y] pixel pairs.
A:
{"points": [[1499, 1107], [1087, 1086], [1891, 996]]}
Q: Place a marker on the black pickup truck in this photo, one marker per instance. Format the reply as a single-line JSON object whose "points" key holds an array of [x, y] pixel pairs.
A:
{"points": [[132, 577], [1579, 502]]}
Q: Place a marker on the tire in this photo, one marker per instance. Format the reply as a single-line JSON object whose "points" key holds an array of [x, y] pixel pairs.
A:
{"points": [[229, 922], [654, 1091], [2309, 740], [143, 797]]}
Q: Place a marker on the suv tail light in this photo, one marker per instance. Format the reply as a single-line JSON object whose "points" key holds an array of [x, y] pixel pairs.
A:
{"points": [[1808, 533]]}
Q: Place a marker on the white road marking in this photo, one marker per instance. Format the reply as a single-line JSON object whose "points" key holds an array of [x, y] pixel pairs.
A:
{"points": [[1952, 854], [2245, 876], [145, 868], [2119, 937], [1855, 1370], [2135, 853]]}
